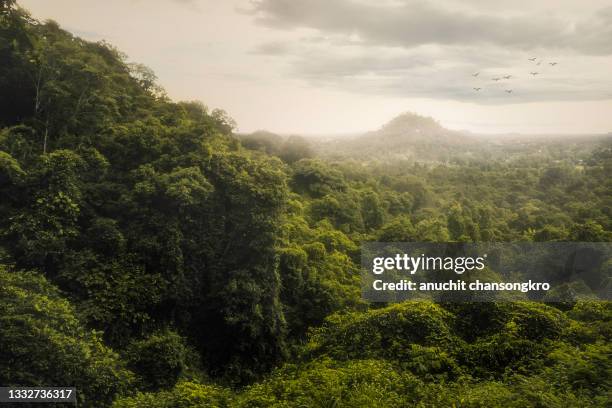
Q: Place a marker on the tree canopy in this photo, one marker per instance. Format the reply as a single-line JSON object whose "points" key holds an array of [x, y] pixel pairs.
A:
{"points": [[152, 257]]}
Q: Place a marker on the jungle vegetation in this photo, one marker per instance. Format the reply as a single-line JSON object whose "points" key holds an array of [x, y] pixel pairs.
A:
{"points": [[151, 257]]}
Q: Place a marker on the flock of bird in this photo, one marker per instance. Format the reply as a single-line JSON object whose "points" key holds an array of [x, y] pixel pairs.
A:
{"points": [[532, 73]]}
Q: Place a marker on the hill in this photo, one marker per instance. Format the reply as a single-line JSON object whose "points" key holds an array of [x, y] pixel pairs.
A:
{"points": [[408, 136]]}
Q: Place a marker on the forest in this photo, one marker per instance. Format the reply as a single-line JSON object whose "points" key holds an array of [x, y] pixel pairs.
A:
{"points": [[151, 256]]}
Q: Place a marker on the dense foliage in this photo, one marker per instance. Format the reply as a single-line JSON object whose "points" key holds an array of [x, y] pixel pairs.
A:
{"points": [[152, 258]]}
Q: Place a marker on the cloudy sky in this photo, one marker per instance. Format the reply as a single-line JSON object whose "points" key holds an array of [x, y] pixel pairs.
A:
{"points": [[341, 66]]}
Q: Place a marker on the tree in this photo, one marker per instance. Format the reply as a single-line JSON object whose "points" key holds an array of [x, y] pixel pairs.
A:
{"points": [[159, 359], [40, 233], [295, 148], [589, 232], [42, 342], [317, 179], [398, 230], [372, 211]]}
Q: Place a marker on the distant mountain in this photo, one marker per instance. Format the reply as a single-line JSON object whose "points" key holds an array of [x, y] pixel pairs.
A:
{"points": [[406, 136], [418, 138], [412, 128]]}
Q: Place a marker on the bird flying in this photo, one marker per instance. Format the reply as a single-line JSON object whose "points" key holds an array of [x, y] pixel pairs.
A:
{"points": [[495, 79], [508, 90], [533, 59], [553, 63], [534, 73], [475, 74], [477, 89], [507, 76]]}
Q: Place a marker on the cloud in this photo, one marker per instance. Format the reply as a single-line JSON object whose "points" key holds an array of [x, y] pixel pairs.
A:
{"points": [[413, 49], [411, 23], [439, 73]]}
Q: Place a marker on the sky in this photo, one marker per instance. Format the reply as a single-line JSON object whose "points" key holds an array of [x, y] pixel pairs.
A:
{"points": [[347, 66]]}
